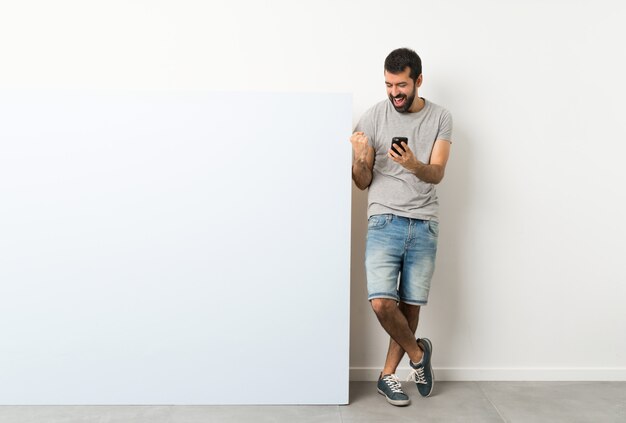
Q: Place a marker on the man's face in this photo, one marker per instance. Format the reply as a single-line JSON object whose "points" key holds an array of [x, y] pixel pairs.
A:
{"points": [[401, 89]]}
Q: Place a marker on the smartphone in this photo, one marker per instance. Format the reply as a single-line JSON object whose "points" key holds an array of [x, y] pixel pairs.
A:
{"points": [[396, 146]]}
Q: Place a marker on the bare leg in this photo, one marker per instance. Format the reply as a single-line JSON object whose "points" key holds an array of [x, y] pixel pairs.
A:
{"points": [[395, 351], [397, 325]]}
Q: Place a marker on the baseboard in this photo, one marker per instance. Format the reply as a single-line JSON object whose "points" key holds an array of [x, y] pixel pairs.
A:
{"points": [[504, 374]]}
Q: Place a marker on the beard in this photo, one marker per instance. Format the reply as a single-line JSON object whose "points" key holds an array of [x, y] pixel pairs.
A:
{"points": [[408, 101]]}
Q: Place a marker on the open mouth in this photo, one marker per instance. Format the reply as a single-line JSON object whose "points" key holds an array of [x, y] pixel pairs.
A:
{"points": [[399, 101]]}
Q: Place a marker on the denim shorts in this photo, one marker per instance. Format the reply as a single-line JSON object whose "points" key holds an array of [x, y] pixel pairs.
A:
{"points": [[400, 258]]}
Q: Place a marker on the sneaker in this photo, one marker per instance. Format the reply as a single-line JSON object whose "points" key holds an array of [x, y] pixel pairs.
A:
{"points": [[422, 373], [389, 386]]}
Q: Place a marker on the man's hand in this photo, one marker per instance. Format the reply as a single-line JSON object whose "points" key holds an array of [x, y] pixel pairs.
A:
{"points": [[360, 147], [405, 159], [363, 161], [431, 173]]}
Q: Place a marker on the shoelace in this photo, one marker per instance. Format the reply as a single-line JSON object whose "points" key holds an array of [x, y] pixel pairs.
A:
{"points": [[393, 383], [417, 375]]}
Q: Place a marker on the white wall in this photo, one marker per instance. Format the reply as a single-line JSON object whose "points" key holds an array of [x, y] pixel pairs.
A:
{"points": [[530, 281]]}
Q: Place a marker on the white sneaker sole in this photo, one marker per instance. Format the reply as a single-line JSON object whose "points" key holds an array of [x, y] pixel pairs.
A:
{"points": [[398, 403]]}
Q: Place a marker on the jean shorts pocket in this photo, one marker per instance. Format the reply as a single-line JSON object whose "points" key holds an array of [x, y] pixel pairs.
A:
{"points": [[433, 228], [377, 221]]}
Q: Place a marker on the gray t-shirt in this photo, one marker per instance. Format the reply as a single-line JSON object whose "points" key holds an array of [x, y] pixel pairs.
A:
{"points": [[394, 189]]}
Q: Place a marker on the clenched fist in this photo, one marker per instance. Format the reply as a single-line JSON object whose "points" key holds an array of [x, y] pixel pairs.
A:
{"points": [[360, 147]]}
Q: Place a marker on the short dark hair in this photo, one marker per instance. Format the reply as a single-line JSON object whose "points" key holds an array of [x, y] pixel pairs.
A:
{"points": [[401, 58]]}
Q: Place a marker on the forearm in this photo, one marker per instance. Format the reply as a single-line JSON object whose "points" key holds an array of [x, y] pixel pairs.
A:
{"points": [[361, 174], [431, 173]]}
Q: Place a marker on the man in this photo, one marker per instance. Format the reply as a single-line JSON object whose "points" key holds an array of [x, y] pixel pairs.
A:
{"points": [[402, 213]]}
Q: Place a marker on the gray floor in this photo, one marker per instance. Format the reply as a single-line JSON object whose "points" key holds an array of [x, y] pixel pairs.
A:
{"points": [[451, 402]]}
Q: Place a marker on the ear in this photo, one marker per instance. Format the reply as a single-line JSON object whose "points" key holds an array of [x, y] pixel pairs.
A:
{"points": [[418, 82]]}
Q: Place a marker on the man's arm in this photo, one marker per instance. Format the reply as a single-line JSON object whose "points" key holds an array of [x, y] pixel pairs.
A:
{"points": [[362, 160], [431, 173]]}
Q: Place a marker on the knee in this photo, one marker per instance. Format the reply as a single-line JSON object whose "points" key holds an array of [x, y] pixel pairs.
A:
{"points": [[410, 311], [382, 306]]}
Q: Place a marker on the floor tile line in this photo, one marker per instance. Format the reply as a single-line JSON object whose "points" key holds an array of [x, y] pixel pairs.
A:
{"points": [[491, 402]]}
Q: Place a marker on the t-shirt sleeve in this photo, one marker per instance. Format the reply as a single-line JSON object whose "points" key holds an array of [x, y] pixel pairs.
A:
{"points": [[366, 125], [445, 126]]}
